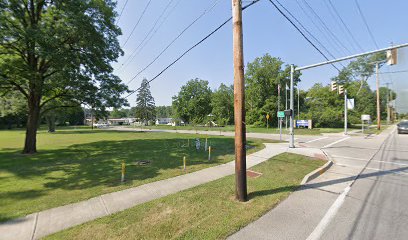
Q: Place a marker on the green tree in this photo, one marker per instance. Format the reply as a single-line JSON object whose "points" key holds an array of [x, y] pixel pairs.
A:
{"points": [[164, 112], [193, 103], [222, 103], [59, 51], [325, 107], [262, 78], [119, 113], [145, 107], [13, 109], [385, 94]]}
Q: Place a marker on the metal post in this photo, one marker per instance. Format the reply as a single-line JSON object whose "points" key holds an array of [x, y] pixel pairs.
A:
{"points": [[388, 104], [286, 106], [292, 115], [279, 121], [298, 113], [345, 112], [378, 97], [239, 100]]}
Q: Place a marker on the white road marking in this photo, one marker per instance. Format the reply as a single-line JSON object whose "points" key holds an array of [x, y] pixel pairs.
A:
{"points": [[318, 231], [315, 140], [366, 160], [393, 171], [338, 141]]}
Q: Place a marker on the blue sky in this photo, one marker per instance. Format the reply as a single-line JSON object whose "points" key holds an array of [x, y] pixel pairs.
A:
{"points": [[265, 31]]}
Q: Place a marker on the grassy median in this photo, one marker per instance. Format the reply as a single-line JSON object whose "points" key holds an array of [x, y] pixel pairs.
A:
{"points": [[74, 165], [208, 211]]}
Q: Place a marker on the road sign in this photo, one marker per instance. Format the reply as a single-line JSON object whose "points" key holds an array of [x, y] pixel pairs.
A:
{"points": [[365, 118], [267, 116], [281, 114], [350, 103], [302, 123]]}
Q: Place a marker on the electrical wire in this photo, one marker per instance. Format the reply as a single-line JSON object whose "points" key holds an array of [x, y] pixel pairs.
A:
{"points": [[137, 23], [345, 25], [120, 14], [322, 31], [191, 48], [331, 34], [300, 31], [366, 24], [174, 40], [149, 32]]}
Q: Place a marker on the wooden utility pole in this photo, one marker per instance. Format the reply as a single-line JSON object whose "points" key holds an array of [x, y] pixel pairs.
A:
{"points": [[239, 103], [378, 96]]}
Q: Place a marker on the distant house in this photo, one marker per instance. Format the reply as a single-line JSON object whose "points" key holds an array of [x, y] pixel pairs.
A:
{"points": [[121, 121], [164, 121]]}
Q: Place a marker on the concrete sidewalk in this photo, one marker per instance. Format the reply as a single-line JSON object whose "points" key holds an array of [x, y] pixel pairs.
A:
{"points": [[37, 225], [300, 214]]}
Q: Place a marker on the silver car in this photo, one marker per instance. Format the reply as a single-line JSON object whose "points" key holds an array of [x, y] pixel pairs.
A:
{"points": [[402, 127]]}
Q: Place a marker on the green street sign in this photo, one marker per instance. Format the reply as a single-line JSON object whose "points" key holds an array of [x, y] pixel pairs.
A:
{"points": [[281, 114]]}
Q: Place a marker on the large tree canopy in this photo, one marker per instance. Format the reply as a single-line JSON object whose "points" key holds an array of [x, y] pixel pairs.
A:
{"points": [[193, 103], [222, 103], [58, 54], [262, 78]]}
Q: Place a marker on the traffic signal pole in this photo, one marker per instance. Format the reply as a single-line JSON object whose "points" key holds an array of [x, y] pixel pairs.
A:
{"points": [[378, 96], [239, 104], [291, 131], [345, 111]]}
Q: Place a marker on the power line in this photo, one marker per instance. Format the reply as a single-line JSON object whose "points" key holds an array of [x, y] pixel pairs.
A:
{"points": [[304, 36], [331, 34], [175, 39], [365, 23], [120, 14], [137, 23], [195, 45], [324, 34], [149, 32], [402, 71], [345, 25]]}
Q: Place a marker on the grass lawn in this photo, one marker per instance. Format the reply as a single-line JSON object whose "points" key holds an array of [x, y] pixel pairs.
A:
{"points": [[250, 129], [77, 164], [208, 211]]}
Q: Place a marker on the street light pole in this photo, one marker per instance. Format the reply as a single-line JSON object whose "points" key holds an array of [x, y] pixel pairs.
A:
{"points": [[298, 113], [292, 135], [286, 105], [239, 103], [378, 96], [388, 103], [345, 111]]}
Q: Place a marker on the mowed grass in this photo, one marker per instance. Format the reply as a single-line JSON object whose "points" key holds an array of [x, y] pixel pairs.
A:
{"points": [[208, 211], [74, 165], [249, 129]]}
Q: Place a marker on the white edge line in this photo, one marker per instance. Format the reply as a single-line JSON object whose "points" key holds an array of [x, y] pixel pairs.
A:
{"points": [[338, 141], [314, 140], [318, 231]]}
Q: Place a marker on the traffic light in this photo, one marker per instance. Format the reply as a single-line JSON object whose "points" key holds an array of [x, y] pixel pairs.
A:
{"points": [[341, 89], [392, 57], [333, 86]]}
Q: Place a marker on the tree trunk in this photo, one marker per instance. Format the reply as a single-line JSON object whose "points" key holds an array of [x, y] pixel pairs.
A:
{"points": [[30, 145]]}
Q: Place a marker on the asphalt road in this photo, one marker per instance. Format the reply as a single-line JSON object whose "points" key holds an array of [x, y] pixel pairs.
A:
{"points": [[376, 206], [364, 195]]}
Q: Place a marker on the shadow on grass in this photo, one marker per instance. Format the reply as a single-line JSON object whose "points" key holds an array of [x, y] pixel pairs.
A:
{"points": [[83, 166]]}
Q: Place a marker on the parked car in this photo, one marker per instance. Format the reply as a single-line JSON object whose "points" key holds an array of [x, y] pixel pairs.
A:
{"points": [[402, 127]]}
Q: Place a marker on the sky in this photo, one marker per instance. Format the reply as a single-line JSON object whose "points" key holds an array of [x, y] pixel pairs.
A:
{"points": [[265, 31]]}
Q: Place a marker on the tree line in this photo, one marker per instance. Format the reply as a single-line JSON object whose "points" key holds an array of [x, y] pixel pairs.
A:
{"points": [[266, 80]]}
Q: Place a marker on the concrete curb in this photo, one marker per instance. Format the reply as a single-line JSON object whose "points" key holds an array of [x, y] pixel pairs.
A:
{"points": [[309, 177]]}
